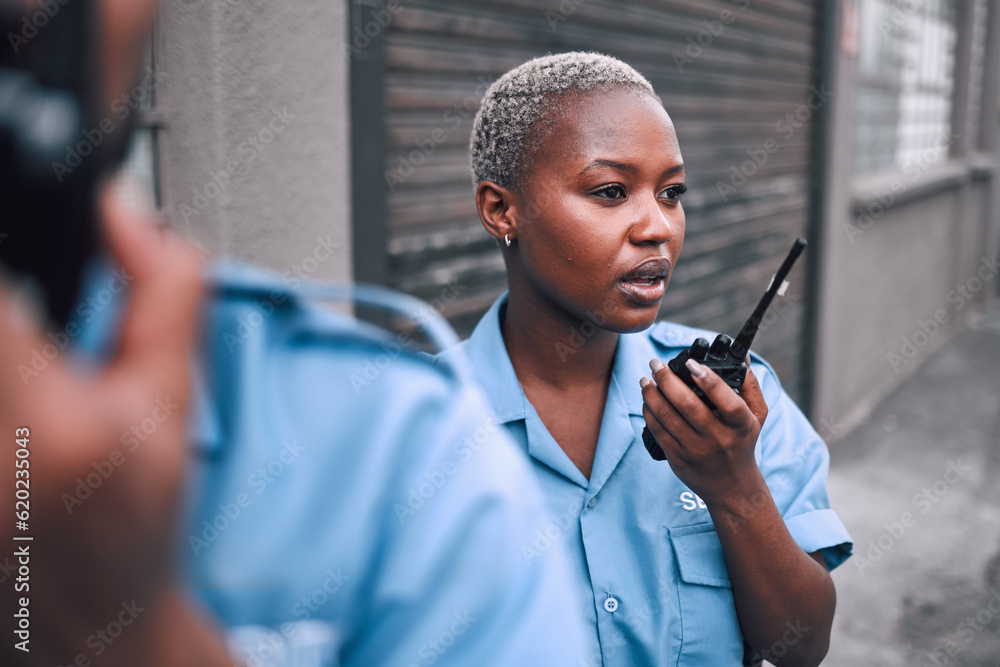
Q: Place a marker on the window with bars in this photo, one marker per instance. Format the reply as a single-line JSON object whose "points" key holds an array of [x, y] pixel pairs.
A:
{"points": [[906, 71], [977, 72]]}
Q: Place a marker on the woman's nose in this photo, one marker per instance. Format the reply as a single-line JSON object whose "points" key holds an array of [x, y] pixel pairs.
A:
{"points": [[656, 223]]}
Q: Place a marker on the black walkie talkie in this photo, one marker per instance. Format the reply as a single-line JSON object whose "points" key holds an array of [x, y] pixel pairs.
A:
{"points": [[725, 356]]}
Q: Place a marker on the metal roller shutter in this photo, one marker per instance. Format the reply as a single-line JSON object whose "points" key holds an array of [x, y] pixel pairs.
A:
{"points": [[736, 76]]}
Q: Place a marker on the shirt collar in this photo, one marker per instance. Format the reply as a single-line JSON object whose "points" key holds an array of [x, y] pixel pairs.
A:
{"points": [[487, 355], [631, 363]]}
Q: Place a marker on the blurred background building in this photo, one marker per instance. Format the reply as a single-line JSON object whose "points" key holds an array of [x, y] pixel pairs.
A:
{"points": [[329, 140]]}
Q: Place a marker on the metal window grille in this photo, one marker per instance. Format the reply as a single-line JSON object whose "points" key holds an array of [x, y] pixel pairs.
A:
{"points": [[906, 62], [977, 72]]}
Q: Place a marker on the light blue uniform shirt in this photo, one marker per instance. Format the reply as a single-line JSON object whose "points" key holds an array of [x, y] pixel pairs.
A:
{"points": [[352, 503], [643, 547]]}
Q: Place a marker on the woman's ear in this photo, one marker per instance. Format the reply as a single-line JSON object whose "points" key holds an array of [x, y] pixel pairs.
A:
{"points": [[496, 211]]}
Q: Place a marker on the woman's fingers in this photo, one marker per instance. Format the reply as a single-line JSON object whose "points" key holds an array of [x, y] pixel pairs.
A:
{"points": [[754, 397], [667, 420], [733, 409], [684, 403], [165, 286], [672, 449], [687, 417]]}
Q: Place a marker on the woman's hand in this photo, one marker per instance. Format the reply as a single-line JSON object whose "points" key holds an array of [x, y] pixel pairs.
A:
{"points": [[712, 452], [774, 580], [100, 585]]}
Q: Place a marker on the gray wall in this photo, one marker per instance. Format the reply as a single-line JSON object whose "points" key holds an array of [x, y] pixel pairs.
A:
{"points": [[261, 89], [896, 249]]}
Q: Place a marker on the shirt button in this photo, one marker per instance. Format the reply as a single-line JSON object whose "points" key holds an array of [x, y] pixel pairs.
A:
{"points": [[592, 503], [610, 605]]}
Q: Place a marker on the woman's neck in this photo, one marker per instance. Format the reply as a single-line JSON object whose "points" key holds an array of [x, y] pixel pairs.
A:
{"points": [[548, 345]]}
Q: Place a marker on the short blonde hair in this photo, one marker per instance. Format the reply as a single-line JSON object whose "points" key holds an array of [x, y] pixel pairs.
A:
{"points": [[499, 149]]}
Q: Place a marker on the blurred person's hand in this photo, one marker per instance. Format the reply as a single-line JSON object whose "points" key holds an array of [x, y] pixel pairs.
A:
{"points": [[101, 578]]}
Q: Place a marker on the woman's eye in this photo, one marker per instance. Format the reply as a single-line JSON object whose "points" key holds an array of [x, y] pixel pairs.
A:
{"points": [[611, 192], [674, 192]]}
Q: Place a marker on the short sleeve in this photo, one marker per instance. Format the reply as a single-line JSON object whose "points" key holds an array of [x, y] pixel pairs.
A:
{"points": [[795, 462]]}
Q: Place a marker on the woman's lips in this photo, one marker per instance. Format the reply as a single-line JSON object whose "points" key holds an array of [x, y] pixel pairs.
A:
{"points": [[646, 283], [644, 291]]}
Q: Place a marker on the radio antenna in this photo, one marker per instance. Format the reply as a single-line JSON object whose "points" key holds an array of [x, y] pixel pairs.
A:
{"points": [[741, 345]]}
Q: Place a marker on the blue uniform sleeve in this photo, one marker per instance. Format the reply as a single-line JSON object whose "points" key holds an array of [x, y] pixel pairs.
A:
{"points": [[451, 586], [354, 504], [795, 462]]}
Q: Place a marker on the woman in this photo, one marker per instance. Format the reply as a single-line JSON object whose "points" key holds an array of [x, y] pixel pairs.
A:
{"points": [[579, 175]]}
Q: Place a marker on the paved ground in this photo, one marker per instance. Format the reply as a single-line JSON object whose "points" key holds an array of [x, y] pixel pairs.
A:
{"points": [[918, 486]]}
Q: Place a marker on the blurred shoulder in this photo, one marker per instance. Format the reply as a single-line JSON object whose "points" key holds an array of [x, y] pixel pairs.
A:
{"points": [[255, 313], [274, 355]]}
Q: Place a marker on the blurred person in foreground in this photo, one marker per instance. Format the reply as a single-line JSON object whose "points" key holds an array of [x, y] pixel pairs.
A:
{"points": [[259, 504]]}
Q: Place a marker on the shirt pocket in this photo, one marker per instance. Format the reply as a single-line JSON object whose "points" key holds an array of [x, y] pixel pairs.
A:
{"points": [[710, 631]]}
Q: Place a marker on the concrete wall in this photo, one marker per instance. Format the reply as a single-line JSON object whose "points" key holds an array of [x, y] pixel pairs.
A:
{"points": [[906, 258], [255, 149]]}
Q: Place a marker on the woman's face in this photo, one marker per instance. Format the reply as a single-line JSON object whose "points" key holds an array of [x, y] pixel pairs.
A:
{"points": [[601, 223]]}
